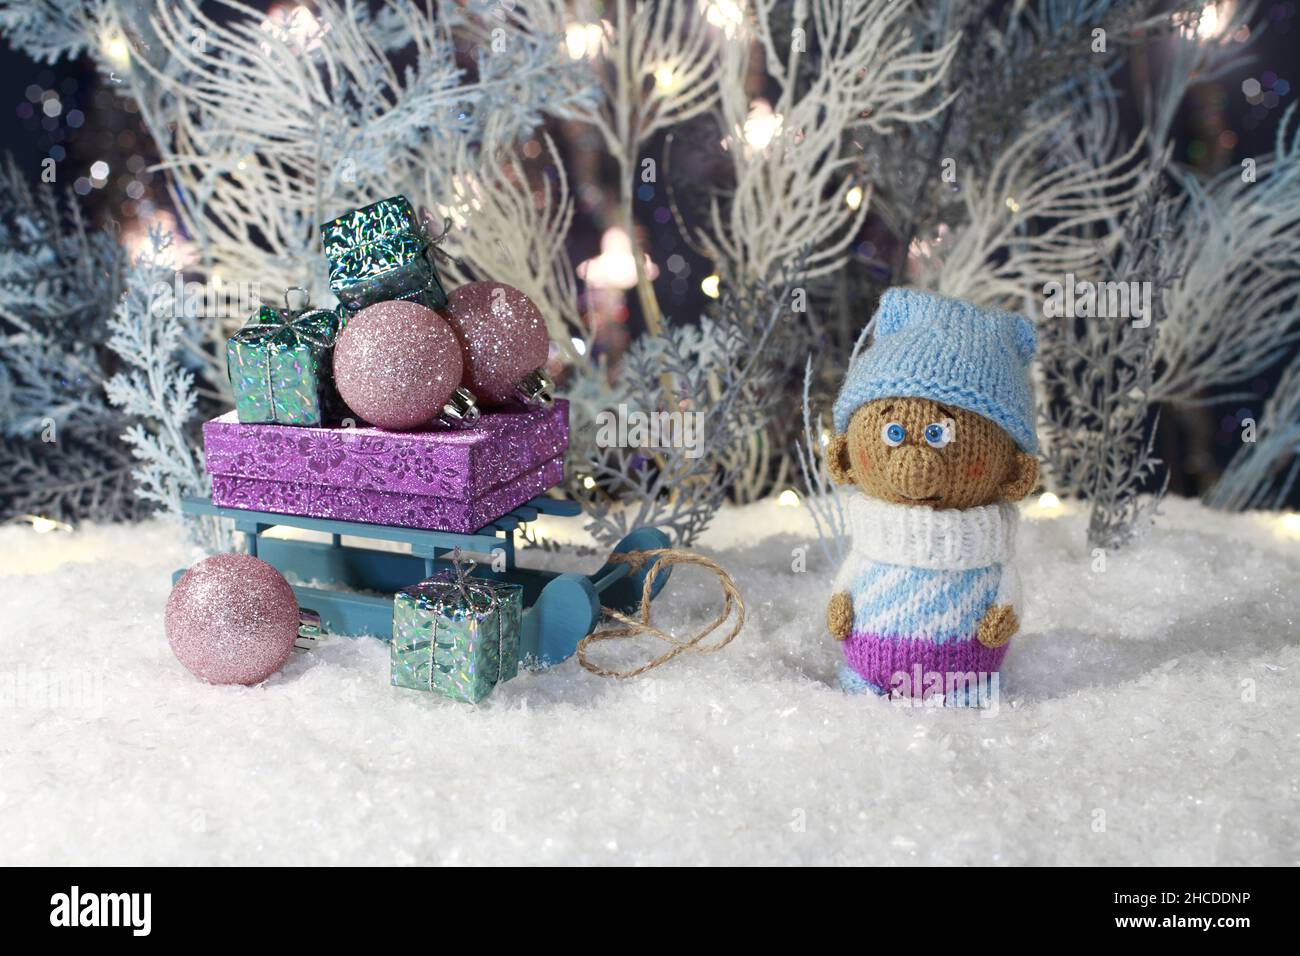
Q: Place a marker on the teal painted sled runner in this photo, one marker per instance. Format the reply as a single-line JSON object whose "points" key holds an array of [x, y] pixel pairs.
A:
{"points": [[560, 609]]}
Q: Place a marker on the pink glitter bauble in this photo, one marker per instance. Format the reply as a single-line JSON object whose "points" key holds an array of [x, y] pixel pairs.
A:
{"points": [[396, 364], [503, 335], [232, 619]]}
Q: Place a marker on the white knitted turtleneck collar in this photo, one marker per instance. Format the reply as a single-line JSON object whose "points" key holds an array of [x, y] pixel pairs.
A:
{"points": [[948, 539]]}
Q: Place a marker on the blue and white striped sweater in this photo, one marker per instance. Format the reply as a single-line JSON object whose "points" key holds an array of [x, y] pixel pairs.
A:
{"points": [[914, 572], [939, 606]]}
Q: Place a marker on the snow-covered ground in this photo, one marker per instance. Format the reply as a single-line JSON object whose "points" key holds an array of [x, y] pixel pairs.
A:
{"points": [[1150, 713]]}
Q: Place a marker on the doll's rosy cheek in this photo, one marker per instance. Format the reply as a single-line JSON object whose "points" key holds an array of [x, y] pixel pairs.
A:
{"points": [[864, 460], [975, 471]]}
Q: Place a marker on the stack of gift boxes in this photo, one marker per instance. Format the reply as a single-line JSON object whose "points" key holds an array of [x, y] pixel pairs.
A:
{"points": [[293, 446]]}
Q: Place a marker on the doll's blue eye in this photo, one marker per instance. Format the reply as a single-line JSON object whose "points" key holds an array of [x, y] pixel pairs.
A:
{"points": [[893, 434], [938, 434]]}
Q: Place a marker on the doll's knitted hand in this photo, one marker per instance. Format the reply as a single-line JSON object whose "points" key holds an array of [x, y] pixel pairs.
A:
{"points": [[839, 615], [998, 625]]}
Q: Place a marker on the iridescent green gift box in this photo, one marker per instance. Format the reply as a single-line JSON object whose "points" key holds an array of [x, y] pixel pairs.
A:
{"points": [[456, 635], [379, 253], [281, 366]]}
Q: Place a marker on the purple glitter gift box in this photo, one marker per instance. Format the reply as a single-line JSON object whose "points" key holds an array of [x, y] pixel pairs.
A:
{"points": [[443, 480]]}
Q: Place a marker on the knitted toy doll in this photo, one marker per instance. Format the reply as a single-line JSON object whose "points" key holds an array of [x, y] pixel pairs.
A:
{"points": [[935, 427]]}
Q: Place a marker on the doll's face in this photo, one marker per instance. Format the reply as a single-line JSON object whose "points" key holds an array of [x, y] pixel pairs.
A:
{"points": [[914, 451]]}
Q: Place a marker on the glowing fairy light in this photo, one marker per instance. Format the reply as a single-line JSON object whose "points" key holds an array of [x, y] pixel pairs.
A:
{"points": [[762, 125], [726, 15], [1208, 25], [137, 240], [788, 498], [575, 40], [853, 198], [115, 49], [614, 268], [294, 26], [43, 525], [583, 39], [1048, 503], [665, 79], [1212, 21], [711, 285]]}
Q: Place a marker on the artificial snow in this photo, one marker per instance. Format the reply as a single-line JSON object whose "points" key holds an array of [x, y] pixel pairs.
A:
{"points": [[1148, 714]]}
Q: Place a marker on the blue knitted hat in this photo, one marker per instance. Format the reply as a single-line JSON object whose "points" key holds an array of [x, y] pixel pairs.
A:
{"points": [[949, 351]]}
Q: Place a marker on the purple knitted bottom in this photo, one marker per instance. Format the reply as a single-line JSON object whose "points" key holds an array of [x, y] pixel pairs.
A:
{"points": [[916, 668]]}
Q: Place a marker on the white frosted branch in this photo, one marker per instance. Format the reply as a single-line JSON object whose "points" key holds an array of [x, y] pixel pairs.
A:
{"points": [[1025, 226], [790, 194], [1233, 309]]}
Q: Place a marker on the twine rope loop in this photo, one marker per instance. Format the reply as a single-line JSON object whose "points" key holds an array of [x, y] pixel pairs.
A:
{"points": [[663, 558]]}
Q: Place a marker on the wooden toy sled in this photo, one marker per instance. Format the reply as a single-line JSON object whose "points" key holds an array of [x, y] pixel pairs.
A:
{"points": [[352, 588]]}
